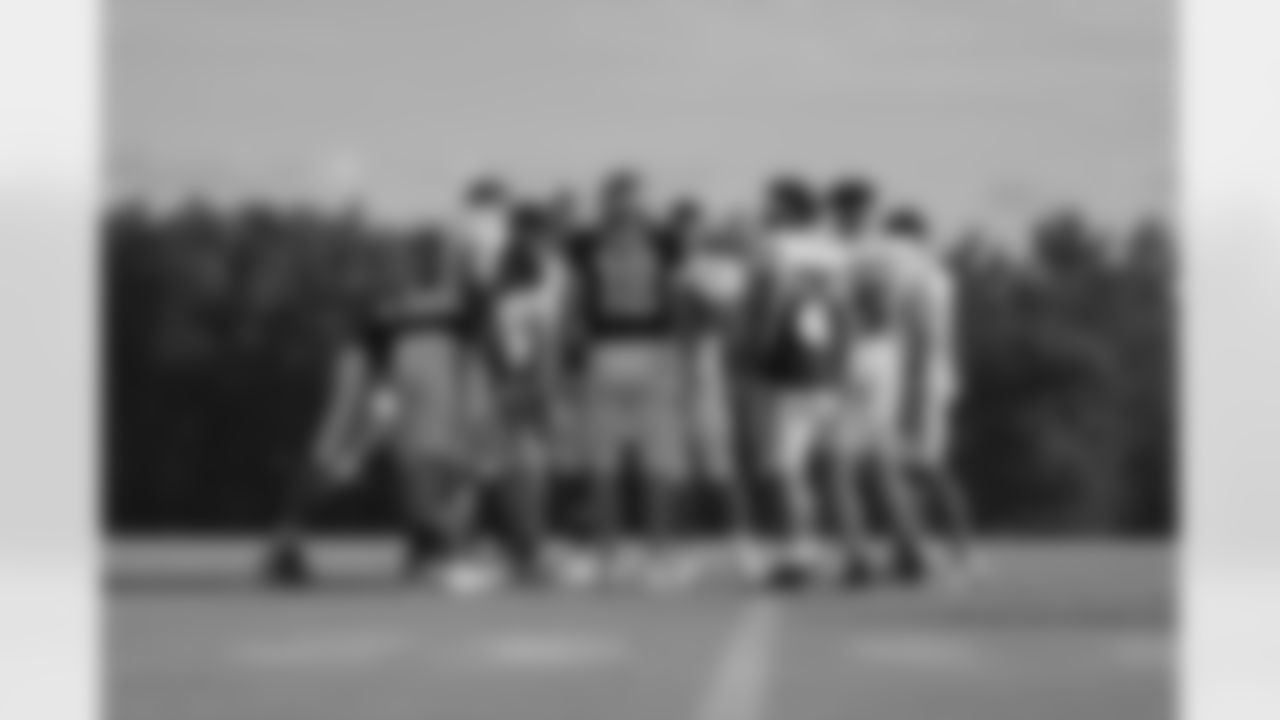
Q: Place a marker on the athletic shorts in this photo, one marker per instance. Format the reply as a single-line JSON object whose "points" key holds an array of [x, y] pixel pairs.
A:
{"points": [[446, 404], [861, 417], [712, 412], [876, 400], [800, 424], [635, 401]]}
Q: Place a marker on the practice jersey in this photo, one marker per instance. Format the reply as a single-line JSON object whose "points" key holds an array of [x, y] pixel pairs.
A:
{"points": [[920, 301], [802, 315], [628, 282], [445, 300], [717, 278], [484, 237], [376, 335], [528, 307]]}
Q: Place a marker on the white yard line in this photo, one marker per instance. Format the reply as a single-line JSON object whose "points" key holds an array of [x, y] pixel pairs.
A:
{"points": [[739, 689], [321, 651]]}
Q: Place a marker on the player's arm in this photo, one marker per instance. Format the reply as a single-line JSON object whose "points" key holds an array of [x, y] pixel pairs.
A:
{"points": [[573, 338], [940, 321]]}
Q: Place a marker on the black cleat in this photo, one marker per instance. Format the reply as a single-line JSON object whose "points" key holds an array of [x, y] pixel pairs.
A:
{"points": [[857, 572], [288, 567], [908, 567], [530, 574], [789, 577], [422, 555]]}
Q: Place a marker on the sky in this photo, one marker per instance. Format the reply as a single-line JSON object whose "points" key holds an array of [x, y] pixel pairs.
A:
{"points": [[975, 109]]}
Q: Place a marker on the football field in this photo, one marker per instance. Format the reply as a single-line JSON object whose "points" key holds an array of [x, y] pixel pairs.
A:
{"points": [[1046, 632]]}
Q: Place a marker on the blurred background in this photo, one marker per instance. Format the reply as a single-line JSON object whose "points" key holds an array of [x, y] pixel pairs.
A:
{"points": [[258, 149], [220, 325]]}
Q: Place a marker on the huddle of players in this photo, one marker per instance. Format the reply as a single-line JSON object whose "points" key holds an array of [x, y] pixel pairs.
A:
{"points": [[811, 344]]}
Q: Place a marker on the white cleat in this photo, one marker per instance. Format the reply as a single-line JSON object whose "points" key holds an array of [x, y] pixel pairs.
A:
{"points": [[627, 564], [673, 575], [468, 579], [811, 554], [578, 571]]}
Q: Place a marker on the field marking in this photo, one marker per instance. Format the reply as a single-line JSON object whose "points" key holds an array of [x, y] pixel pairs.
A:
{"points": [[943, 652], [918, 651], [546, 651], [739, 688], [321, 651]]}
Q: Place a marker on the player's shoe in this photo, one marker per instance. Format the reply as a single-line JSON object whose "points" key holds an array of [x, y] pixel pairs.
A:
{"points": [[287, 566], [789, 576], [531, 572], [577, 571], [909, 567], [801, 564], [856, 572], [672, 574], [626, 564], [467, 578], [422, 555]]}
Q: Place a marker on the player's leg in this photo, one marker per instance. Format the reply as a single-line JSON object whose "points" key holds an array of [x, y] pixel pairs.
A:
{"points": [[569, 488], [887, 375], [798, 424], [347, 433], [665, 455], [608, 438], [442, 445], [717, 437], [908, 558], [932, 472], [433, 512], [848, 485], [855, 442], [748, 448], [524, 493]]}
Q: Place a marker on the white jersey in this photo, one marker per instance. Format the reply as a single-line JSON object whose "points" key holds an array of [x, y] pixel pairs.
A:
{"points": [[530, 322], [803, 330], [484, 237], [809, 252], [922, 290], [718, 278]]}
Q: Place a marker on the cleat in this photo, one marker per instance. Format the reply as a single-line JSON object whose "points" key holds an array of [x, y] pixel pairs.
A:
{"points": [[672, 576], [629, 562], [421, 556], [467, 579], [623, 566], [910, 568], [789, 577], [532, 573], [857, 573], [578, 572], [287, 567]]}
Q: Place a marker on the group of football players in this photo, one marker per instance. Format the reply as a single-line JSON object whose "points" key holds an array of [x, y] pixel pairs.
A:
{"points": [[800, 362]]}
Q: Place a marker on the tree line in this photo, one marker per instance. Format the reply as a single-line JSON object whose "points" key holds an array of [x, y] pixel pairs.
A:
{"points": [[219, 324]]}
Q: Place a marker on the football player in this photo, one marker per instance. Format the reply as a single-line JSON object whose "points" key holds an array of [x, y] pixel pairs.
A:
{"points": [[628, 323], [802, 319]]}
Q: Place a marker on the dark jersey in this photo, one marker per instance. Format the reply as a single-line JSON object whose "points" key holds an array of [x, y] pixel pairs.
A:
{"points": [[449, 303], [377, 334], [627, 282]]}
